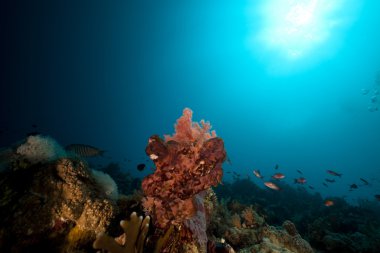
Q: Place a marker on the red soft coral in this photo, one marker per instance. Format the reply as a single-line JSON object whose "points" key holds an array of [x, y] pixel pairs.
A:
{"points": [[188, 131], [187, 163]]}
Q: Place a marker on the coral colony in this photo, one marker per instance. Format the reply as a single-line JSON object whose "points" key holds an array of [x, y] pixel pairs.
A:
{"points": [[187, 164]]}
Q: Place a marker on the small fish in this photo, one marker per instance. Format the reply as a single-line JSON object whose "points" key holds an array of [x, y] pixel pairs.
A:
{"points": [[364, 181], [228, 160], [334, 173], [299, 171], [236, 174], [377, 197], [311, 187], [257, 174], [365, 91], [329, 203], [140, 167], [272, 186], [300, 180], [84, 150], [330, 180], [229, 172], [373, 108], [325, 184], [278, 176], [353, 186], [34, 126], [276, 167]]}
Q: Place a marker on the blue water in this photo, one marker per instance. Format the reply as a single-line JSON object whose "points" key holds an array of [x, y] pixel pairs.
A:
{"points": [[111, 74]]}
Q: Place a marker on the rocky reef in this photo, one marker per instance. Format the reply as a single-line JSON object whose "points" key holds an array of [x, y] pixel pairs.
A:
{"points": [[55, 205], [339, 228], [54, 202]]}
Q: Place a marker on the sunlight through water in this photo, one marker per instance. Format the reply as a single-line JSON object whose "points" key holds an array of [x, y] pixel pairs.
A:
{"points": [[297, 29]]}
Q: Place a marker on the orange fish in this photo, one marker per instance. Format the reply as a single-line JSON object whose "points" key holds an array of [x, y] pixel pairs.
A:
{"points": [[272, 186], [329, 203], [300, 180], [257, 174], [278, 176]]}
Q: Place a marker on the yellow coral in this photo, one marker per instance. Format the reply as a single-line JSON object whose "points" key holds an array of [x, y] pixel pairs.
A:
{"points": [[135, 231]]}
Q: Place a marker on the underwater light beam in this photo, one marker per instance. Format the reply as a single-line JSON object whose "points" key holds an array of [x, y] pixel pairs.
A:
{"points": [[296, 28]]}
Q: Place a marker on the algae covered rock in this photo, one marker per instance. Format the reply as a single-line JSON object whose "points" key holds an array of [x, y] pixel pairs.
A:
{"points": [[49, 205]]}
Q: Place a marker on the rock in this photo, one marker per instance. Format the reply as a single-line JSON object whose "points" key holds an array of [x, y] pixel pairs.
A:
{"points": [[42, 204], [282, 239]]}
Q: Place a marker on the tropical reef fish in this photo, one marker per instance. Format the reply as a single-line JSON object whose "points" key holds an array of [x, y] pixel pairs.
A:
{"points": [[276, 167], [330, 180], [373, 108], [334, 173], [84, 150], [364, 181], [353, 186], [140, 167], [300, 180], [377, 197], [311, 187], [271, 185], [329, 203], [299, 171], [325, 184], [257, 174], [278, 176]]}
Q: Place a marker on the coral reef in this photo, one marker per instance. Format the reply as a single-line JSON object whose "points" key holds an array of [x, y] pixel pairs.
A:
{"points": [[341, 228], [254, 235], [50, 203], [356, 231], [282, 239]]}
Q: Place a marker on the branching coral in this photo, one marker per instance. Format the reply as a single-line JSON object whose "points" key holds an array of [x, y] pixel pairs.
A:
{"points": [[187, 163], [132, 241]]}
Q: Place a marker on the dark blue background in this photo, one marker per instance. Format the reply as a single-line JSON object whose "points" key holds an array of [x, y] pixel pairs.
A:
{"points": [[112, 73]]}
